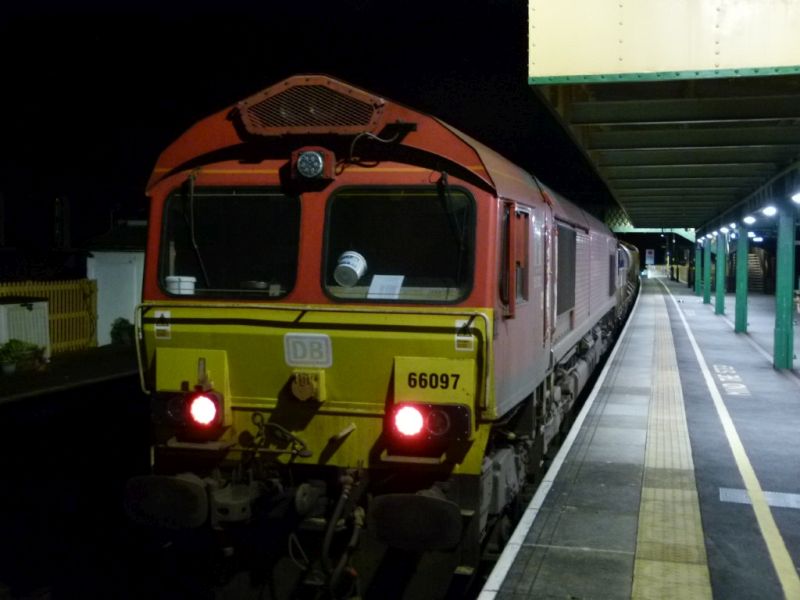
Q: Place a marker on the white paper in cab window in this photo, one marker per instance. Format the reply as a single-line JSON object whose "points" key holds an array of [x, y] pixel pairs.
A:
{"points": [[385, 287]]}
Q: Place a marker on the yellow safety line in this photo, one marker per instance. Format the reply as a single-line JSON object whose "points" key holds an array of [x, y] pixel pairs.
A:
{"points": [[781, 559], [670, 559]]}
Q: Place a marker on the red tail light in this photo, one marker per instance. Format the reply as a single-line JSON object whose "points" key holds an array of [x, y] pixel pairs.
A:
{"points": [[203, 410], [408, 421], [429, 422], [201, 417]]}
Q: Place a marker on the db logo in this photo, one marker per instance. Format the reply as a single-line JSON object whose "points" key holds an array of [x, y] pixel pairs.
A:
{"points": [[307, 350]]}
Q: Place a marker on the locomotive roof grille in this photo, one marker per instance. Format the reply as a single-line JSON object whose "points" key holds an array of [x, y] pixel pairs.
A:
{"points": [[310, 108]]}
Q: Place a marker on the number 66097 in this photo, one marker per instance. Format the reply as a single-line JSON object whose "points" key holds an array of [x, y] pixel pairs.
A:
{"points": [[440, 381]]}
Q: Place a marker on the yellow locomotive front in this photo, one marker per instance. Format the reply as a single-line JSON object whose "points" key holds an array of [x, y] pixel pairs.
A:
{"points": [[231, 341], [316, 327]]}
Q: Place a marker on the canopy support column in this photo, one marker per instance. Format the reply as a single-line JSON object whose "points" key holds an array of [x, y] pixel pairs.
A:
{"points": [[742, 247], [698, 268], [707, 271], [719, 305], [783, 355]]}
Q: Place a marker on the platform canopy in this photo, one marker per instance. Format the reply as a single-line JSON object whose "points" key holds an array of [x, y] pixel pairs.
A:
{"points": [[689, 110]]}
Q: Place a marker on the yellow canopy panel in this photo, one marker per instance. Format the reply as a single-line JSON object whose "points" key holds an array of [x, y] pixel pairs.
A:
{"points": [[629, 40]]}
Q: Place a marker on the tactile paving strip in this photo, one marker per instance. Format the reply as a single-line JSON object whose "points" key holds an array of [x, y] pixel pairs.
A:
{"points": [[670, 557]]}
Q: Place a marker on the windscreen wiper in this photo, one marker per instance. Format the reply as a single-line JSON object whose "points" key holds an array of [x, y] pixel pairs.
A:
{"points": [[197, 253]]}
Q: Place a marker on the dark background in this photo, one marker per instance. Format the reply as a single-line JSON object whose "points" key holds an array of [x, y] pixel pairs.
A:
{"points": [[92, 93]]}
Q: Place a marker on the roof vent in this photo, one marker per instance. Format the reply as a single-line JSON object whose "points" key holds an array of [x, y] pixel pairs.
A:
{"points": [[302, 105]]}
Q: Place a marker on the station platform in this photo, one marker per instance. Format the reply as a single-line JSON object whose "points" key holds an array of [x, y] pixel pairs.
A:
{"points": [[70, 370], [681, 475]]}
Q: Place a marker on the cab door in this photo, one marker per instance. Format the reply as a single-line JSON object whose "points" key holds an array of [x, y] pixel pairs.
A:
{"points": [[519, 358]]}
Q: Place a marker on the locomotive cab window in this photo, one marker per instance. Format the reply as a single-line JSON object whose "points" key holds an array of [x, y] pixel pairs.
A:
{"points": [[515, 255], [522, 254], [230, 242], [400, 244]]}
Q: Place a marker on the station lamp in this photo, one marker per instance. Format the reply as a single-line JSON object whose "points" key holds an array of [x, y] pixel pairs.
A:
{"points": [[769, 211], [796, 197], [724, 229], [749, 219], [751, 234], [758, 239]]}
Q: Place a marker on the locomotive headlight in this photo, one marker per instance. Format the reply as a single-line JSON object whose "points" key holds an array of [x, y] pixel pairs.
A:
{"points": [[438, 422], [176, 409], [313, 164], [310, 164]]}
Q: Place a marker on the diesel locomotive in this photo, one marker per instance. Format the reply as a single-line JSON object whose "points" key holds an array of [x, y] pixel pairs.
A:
{"points": [[361, 330]]}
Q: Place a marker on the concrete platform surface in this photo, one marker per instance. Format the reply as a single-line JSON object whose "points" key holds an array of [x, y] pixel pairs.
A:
{"points": [[683, 479], [68, 370]]}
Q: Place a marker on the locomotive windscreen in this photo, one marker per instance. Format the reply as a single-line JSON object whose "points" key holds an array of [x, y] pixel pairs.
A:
{"points": [[230, 242], [409, 244]]}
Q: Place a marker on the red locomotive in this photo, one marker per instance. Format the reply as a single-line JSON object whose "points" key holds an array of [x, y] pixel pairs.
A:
{"points": [[364, 321]]}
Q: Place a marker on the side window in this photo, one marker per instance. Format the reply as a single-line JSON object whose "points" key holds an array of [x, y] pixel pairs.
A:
{"points": [[505, 250], [514, 256], [565, 279], [612, 274], [522, 223]]}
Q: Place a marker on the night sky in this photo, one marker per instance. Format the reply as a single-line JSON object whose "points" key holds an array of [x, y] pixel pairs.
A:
{"points": [[93, 93]]}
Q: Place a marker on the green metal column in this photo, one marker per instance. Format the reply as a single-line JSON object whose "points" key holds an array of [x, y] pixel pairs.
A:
{"points": [[698, 268], [707, 271], [719, 305], [783, 355], [742, 247]]}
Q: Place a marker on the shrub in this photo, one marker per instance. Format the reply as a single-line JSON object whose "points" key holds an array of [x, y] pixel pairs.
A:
{"points": [[13, 351], [122, 332]]}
